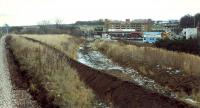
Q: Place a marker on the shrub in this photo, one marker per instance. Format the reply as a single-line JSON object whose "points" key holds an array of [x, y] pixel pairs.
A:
{"points": [[181, 45]]}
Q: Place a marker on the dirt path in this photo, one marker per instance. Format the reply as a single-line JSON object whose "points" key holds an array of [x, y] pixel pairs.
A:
{"points": [[7, 98]]}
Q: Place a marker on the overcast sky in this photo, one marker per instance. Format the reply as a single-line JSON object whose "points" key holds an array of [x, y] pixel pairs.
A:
{"points": [[30, 12]]}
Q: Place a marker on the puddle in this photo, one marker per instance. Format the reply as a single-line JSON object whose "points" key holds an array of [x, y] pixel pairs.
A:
{"points": [[97, 60]]}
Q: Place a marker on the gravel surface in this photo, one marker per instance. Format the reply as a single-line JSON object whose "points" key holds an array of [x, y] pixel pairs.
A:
{"points": [[7, 99]]}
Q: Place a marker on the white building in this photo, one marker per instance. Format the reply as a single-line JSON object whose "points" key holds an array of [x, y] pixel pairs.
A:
{"points": [[190, 32]]}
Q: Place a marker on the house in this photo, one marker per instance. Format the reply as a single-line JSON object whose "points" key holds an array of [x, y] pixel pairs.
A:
{"points": [[190, 32], [151, 37]]}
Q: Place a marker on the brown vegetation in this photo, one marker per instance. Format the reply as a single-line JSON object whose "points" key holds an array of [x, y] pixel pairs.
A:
{"points": [[122, 94], [47, 70], [65, 43], [146, 59], [182, 45]]}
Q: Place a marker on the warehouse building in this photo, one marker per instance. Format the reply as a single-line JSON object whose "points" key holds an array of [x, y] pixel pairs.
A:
{"points": [[151, 37], [140, 25]]}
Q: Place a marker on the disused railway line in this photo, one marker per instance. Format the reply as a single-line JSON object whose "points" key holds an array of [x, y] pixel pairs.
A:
{"points": [[120, 93]]}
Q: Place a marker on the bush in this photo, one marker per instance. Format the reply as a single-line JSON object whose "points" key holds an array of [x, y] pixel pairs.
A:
{"points": [[181, 45]]}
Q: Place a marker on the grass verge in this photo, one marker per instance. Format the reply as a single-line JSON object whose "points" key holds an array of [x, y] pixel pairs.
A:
{"points": [[48, 70]]}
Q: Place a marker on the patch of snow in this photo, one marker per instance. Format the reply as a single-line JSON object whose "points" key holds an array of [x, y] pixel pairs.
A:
{"points": [[97, 60], [169, 68], [157, 66], [173, 71], [177, 71], [191, 100]]}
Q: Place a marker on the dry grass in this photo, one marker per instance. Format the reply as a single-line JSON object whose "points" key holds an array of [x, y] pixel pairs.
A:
{"points": [[129, 54], [65, 43], [50, 69], [145, 60]]}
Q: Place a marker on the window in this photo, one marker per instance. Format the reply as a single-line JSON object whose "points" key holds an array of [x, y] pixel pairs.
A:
{"points": [[151, 38]]}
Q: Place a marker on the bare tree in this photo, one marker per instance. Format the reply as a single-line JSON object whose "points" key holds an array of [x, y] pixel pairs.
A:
{"points": [[44, 26], [58, 23]]}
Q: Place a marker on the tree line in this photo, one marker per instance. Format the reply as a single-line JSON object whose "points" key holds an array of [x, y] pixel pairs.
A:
{"points": [[191, 45], [189, 21], [45, 27]]}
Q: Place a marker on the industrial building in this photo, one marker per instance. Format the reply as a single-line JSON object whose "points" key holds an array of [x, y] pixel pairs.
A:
{"points": [[140, 25], [120, 33], [127, 29], [166, 26], [151, 37]]}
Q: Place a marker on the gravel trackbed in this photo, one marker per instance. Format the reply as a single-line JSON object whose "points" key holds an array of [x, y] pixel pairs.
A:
{"points": [[11, 96], [7, 98]]}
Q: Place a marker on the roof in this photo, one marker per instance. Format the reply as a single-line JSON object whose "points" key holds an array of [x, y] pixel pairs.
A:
{"points": [[142, 21], [121, 30]]}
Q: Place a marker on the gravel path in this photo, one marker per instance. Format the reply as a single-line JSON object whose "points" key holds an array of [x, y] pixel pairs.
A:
{"points": [[7, 99]]}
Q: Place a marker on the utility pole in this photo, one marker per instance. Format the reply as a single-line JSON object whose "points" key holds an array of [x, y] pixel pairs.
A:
{"points": [[6, 28], [194, 21]]}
